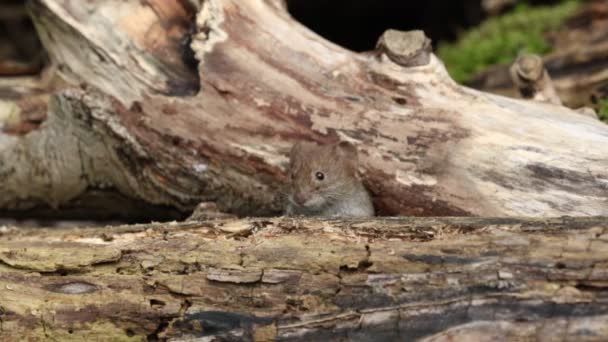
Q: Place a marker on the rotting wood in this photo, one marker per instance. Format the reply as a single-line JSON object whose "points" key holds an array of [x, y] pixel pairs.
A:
{"points": [[289, 279]]}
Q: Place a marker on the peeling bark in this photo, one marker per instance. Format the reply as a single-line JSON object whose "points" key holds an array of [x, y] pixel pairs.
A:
{"points": [[282, 279]]}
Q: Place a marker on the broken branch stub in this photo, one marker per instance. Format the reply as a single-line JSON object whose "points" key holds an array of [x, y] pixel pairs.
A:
{"points": [[406, 48]]}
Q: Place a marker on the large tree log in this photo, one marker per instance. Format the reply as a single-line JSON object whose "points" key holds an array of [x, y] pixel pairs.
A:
{"points": [[131, 120], [265, 279]]}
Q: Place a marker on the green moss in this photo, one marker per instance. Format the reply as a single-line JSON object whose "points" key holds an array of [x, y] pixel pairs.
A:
{"points": [[603, 112], [499, 40], [98, 331]]}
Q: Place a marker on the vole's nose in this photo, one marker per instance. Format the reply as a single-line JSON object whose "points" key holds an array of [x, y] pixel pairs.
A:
{"points": [[300, 198]]}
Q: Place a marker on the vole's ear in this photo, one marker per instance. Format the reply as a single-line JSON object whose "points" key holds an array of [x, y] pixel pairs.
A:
{"points": [[347, 150], [296, 152]]}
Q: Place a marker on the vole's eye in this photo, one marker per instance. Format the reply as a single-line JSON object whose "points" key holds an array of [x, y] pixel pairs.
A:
{"points": [[320, 175]]}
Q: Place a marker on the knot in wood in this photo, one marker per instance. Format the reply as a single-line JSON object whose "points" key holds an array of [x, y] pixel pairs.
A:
{"points": [[406, 48]]}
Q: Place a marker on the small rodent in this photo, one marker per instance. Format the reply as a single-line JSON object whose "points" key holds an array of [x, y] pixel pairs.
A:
{"points": [[324, 182]]}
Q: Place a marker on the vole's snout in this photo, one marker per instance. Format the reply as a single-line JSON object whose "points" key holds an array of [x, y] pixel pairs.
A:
{"points": [[300, 198]]}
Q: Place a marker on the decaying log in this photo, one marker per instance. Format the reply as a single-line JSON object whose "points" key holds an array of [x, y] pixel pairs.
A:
{"points": [[137, 120], [282, 279]]}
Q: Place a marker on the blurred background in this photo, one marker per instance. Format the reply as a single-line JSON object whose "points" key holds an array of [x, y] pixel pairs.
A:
{"points": [[476, 39]]}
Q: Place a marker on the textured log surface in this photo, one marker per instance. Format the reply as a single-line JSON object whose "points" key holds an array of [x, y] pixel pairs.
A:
{"points": [[277, 278]]}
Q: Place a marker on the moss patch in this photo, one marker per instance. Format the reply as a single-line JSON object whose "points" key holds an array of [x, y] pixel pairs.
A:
{"points": [[603, 111], [499, 40], [99, 331]]}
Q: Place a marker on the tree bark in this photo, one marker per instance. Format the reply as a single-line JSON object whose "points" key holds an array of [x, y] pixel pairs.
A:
{"points": [[135, 121], [437, 279]]}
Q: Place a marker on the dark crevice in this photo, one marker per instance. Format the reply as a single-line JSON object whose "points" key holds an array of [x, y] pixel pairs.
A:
{"points": [[219, 324], [59, 272], [400, 101], [157, 334], [589, 287], [85, 211], [155, 303], [165, 323], [188, 55], [21, 52], [64, 272], [364, 264]]}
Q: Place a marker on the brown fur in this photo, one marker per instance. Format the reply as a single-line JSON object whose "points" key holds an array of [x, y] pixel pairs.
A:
{"points": [[332, 196]]}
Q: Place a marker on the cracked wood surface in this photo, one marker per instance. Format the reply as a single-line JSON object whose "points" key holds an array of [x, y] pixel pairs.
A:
{"points": [[436, 279], [136, 121]]}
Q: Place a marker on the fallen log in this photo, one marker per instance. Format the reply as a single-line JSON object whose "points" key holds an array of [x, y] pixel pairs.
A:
{"points": [[136, 121], [435, 279]]}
